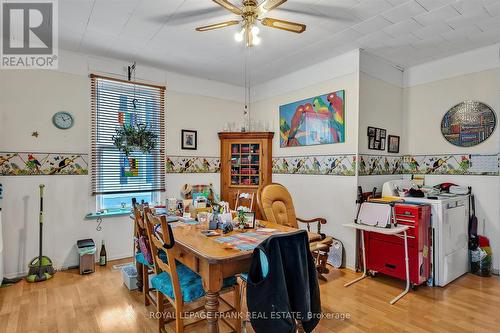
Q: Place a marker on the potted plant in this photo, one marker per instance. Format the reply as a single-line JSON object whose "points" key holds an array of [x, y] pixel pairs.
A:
{"points": [[137, 137], [241, 216]]}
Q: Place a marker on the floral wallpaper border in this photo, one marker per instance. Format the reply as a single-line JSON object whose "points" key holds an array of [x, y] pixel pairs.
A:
{"points": [[331, 165], [436, 164], [42, 164], [192, 164]]}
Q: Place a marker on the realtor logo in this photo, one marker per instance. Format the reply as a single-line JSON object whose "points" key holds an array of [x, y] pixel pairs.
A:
{"points": [[29, 34]]}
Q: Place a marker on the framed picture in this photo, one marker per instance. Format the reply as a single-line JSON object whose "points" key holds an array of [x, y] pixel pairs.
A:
{"points": [[376, 138], [468, 123], [316, 120], [393, 146], [250, 220], [189, 139]]}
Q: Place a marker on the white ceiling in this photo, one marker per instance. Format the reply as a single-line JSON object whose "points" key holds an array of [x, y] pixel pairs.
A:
{"points": [[161, 33]]}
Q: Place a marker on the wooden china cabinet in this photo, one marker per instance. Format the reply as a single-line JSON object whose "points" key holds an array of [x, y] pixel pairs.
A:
{"points": [[246, 163]]}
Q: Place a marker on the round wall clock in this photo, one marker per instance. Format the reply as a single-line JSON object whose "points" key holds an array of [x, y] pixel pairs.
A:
{"points": [[468, 123], [63, 120]]}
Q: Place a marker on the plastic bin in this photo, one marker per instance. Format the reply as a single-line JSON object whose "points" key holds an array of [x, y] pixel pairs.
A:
{"points": [[129, 275], [86, 253]]}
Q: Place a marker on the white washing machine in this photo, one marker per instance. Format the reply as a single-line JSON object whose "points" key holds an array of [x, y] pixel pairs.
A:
{"points": [[450, 221]]}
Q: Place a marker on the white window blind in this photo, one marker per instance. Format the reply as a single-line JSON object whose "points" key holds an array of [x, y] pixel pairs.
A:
{"points": [[113, 107]]}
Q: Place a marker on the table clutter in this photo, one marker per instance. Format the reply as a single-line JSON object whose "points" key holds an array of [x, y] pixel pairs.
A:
{"points": [[246, 241]]}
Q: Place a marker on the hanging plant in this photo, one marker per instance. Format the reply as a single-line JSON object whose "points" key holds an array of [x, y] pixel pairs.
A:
{"points": [[135, 138]]}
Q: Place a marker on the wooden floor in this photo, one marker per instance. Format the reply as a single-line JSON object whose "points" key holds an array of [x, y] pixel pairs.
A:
{"points": [[101, 303]]}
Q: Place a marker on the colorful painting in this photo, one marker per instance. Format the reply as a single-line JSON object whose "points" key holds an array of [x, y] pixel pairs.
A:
{"points": [[313, 121], [34, 164], [468, 124], [130, 167]]}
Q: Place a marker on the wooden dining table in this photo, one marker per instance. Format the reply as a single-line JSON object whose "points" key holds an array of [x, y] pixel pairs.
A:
{"points": [[214, 261]]}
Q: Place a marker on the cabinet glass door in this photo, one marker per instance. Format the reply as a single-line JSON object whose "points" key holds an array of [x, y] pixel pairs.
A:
{"points": [[245, 164]]}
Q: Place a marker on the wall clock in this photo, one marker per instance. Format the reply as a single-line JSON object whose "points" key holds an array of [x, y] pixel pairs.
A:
{"points": [[63, 120]]}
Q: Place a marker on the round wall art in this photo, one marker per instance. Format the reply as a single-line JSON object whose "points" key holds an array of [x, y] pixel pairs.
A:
{"points": [[468, 124]]}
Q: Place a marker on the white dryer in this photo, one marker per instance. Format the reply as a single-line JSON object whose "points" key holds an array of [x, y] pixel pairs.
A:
{"points": [[450, 220]]}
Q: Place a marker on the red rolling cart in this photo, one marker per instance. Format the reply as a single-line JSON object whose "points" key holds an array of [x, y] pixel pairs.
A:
{"points": [[386, 254]]}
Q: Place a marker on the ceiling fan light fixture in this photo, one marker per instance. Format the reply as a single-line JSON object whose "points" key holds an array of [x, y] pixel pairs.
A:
{"points": [[255, 30], [251, 13], [239, 36]]}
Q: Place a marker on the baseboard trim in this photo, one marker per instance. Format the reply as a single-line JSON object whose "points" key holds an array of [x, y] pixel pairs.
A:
{"points": [[22, 274]]}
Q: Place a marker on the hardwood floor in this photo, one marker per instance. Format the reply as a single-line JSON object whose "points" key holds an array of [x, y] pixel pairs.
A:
{"points": [[101, 303]]}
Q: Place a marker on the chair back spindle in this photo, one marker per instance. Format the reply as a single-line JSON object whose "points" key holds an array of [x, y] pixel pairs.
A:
{"points": [[163, 239]]}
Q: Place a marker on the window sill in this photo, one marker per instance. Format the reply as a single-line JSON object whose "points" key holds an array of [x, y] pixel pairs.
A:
{"points": [[110, 213]]}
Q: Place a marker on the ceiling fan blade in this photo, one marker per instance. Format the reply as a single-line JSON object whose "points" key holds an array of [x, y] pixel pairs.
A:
{"points": [[217, 25], [269, 5], [321, 11], [284, 25], [229, 6], [188, 16]]}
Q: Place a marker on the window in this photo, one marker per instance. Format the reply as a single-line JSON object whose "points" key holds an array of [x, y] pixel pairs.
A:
{"points": [[117, 178]]}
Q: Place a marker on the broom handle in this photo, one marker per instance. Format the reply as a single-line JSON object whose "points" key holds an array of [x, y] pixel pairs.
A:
{"points": [[41, 226]]}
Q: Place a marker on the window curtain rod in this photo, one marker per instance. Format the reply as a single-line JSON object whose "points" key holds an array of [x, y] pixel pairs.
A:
{"points": [[126, 81]]}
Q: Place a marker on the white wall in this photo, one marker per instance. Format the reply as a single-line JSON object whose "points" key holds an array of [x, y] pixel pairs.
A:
{"points": [[425, 104], [380, 105], [331, 197], [28, 99]]}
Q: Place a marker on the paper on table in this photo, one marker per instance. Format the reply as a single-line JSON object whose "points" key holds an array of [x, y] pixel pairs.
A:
{"points": [[266, 230]]}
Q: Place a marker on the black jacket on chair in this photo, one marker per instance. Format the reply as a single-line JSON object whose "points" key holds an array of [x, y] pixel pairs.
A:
{"points": [[289, 291]]}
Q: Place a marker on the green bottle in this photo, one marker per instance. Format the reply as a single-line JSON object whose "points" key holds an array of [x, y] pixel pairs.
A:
{"points": [[103, 258]]}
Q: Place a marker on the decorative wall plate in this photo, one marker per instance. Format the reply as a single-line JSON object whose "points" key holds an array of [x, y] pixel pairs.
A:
{"points": [[468, 123]]}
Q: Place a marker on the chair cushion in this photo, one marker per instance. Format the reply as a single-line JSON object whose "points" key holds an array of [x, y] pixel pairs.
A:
{"points": [[277, 205], [229, 282], [189, 281], [327, 240], [139, 257], [264, 264]]}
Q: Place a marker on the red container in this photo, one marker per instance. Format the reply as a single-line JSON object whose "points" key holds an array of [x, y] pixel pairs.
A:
{"points": [[248, 171], [386, 254]]}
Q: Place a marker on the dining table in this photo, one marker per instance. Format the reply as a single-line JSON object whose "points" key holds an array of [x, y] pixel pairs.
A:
{"points": [[214, 261]]}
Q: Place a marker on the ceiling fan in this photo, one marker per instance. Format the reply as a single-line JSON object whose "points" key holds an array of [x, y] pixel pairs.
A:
{"points": [[251, 12]]}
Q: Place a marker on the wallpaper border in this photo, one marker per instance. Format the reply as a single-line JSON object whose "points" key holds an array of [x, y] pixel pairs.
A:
{"points": [[326, 165], [192, 164], [43, 164], [430, 164]]}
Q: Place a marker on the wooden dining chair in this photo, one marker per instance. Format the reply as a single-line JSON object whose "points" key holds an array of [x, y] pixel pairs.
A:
{"points": [[276, 205], [244, 199], [143, 266], [175, 283]]}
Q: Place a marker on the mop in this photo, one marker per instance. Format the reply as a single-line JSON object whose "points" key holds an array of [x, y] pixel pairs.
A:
{"points": [[40, 268]]}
